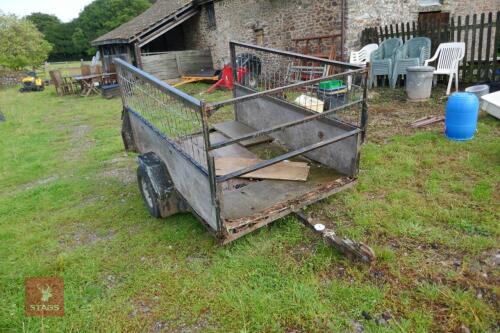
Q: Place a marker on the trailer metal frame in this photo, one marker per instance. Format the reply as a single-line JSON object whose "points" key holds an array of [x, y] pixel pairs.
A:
{"points": [[162, 120]]}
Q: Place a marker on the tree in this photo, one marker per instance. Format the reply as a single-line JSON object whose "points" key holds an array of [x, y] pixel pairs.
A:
{"points": [[61, 37], [21, 44], [58, 34], [72, 40], [80, 40], [102, 16], [43, 22]]}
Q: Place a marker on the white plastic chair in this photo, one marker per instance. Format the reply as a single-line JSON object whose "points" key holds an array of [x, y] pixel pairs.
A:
{"points": [[450, 55], [362, 56]]}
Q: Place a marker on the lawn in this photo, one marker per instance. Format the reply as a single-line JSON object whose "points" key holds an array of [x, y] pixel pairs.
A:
{"points": [[70, 207]]}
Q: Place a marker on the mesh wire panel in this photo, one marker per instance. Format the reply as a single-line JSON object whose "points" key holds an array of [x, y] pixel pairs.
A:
{"points": [[261, 71], [177, 119]]}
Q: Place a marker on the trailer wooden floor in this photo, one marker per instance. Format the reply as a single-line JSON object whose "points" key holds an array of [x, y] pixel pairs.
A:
{"points": [[248, 204]]}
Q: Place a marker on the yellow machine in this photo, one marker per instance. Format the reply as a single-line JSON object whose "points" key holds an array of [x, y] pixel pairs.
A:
{"points": [[32, 83]]}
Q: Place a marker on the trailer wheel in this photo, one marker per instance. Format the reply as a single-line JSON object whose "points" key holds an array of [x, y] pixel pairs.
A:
{"points": [[157, 187], [148, 193]]}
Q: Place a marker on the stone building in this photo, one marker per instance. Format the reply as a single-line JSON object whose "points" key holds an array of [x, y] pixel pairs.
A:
{"points": [[373, 13], [210, 24]]}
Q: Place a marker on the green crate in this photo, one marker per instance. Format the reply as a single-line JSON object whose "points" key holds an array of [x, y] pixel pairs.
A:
{"points": [[331, 85]]}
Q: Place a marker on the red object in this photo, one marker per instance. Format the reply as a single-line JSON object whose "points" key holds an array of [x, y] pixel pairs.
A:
{"points": [[227, 80]]}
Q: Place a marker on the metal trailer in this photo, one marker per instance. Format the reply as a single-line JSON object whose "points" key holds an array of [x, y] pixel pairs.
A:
{"points": [[177, 137]]}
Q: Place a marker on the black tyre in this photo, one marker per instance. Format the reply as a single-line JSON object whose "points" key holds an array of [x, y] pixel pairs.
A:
{"points": [[148, 193]]}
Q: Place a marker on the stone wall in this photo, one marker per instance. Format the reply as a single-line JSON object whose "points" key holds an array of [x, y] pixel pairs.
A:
{"points": [[362, 14], [278, 20], [10, 78], [282, 20]]}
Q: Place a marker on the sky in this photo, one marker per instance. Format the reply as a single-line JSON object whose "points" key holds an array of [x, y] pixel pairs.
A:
{"points": [[66, 10]]}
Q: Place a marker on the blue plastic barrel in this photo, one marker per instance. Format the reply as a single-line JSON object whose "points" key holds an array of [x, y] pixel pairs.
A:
{"points": [[462, 110]]}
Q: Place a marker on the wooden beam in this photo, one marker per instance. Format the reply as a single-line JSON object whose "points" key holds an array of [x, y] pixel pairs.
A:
{"points": [[166, 28], [353, 250], [138, 56], [153, 26]]}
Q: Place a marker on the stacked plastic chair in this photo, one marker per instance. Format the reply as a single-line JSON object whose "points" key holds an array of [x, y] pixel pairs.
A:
{"points": [[413, 53], [382, 60], [362, 56]]}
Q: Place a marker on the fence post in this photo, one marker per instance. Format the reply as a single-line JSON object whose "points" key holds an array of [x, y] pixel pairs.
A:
{"points": [[473, 48], [467, 55], [461, 70], [488, 54], [480, 50], [496, 48]]}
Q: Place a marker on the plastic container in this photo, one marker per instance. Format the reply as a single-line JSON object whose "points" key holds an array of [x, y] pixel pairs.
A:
{"points": [[462, 110], [479, 91], [310, 103], [333, 97], [419, 82], [331, 85], [491, 104]]}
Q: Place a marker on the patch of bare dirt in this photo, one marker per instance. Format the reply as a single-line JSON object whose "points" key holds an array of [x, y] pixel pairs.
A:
{"points": [[122, 168], [391, 114], [36, 183], [126, 175], [177, 326], [84, 236], [79, 140], [31, 185]]}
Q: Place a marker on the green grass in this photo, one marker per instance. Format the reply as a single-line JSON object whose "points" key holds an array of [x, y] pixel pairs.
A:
{"points": [[70, 207]]}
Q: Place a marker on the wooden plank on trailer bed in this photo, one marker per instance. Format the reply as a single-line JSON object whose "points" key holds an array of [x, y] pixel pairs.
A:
{"points": [[281, 171], [195, 147], [234, 150], [235, 129]]}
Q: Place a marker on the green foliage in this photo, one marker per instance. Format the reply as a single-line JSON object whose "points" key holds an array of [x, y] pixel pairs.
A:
{"points": [[58, 34], [102, 16], [21, 44], [71, 41], [64, 48], [43, 22], [80, 40]]}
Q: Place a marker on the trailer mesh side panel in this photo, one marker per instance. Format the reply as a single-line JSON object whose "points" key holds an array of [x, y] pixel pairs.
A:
{"points": [[262, 71], [178, 119]]}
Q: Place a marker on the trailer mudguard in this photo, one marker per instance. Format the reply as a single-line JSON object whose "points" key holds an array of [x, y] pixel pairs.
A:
{"points": [[169, 200]]}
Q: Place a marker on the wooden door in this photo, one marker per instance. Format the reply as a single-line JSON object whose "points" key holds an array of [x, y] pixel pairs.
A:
{"points": [[433, 18]]}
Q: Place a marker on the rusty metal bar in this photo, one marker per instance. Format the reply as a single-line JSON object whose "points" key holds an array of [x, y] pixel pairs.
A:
{"points": [[174, 92], [211, 168], [232, 53], [282, 126], [235, 100], [286, 156], [298, 55], [364, 109]]}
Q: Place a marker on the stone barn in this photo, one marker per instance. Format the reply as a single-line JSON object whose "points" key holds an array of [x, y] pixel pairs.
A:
{"points": [[203, 28]]}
